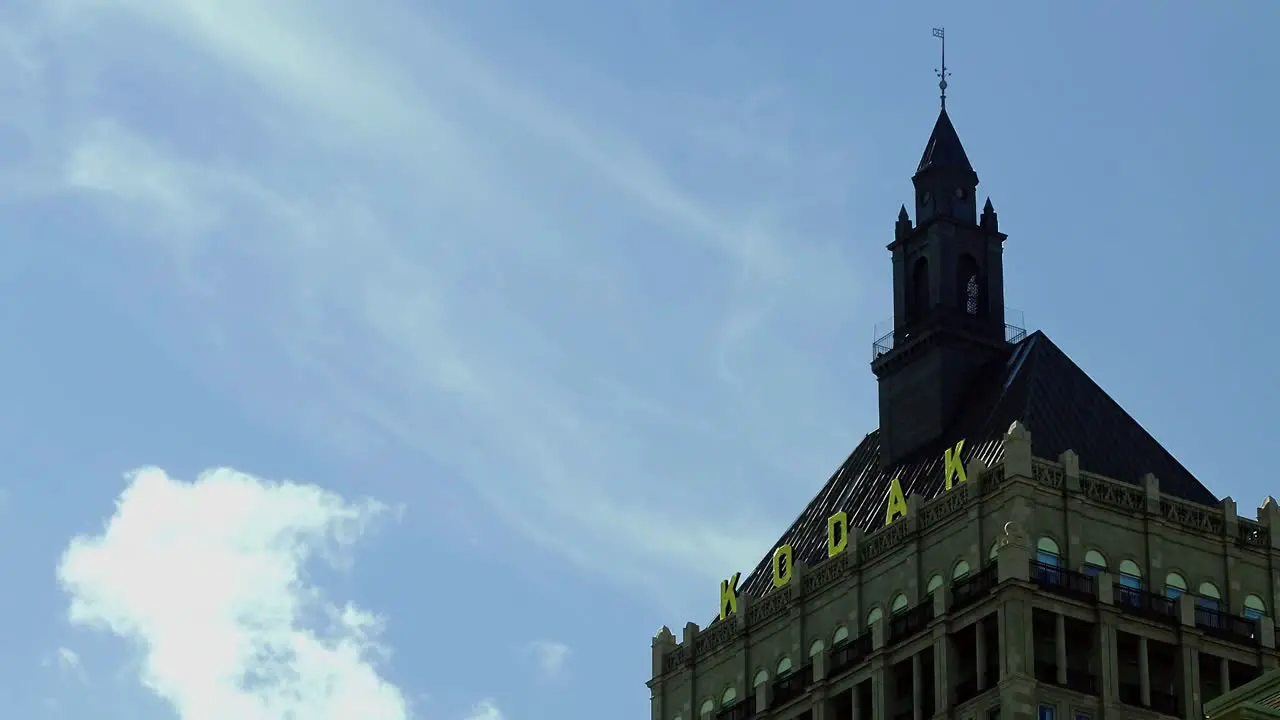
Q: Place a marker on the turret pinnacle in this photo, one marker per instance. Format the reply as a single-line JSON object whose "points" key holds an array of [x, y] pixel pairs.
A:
{"points": [[944, 149]]}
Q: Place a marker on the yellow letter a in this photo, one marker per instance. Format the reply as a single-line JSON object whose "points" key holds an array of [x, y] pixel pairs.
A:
{"points": [[952, 468], [729, 596], [782, 565], [837, 533], [897, 503]]}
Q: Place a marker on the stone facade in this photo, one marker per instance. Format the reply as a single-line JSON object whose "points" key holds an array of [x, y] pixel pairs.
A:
{"points": [[977, 606]]}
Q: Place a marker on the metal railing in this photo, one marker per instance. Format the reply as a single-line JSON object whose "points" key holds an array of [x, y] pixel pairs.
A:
{"points": [[969, 590], [848, 654], [887, 336], [1226, 626], [1136, 601], [1063, 581], [790, 687], [744, 709], [909, 622]]}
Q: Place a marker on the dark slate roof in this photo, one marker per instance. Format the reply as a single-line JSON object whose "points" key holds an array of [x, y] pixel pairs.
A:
{"points": [[944, 148], [1037, 385]]}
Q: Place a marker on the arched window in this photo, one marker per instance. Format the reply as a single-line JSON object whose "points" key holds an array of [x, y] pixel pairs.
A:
{"points": [[1094, 563], [1130, 575], [920, 301], [762, 677], [1174, 585], [815, 648], [1207, 596], [960, 571], [784, 666], [899, 604], [1047, 551], [1254, 608], [730, 694], [873, 617], [841, 635], [708, 707], [969, 283], [994, 551], [935, 582]]}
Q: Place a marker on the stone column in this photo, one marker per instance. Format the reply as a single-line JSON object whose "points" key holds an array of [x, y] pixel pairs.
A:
{"points": [[1110, 660], [1144, 676], [1224, 672], [917, 688], [1191, 681], [879, 703], [1060, 644], [856, 713], [980, 645], [941, 669], [820, 704]]}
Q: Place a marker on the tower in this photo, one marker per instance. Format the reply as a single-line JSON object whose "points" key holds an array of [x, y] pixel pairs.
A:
{"points": [[948, 300]]}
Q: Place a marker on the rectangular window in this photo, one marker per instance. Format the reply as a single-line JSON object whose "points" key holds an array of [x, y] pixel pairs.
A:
{"points": [[1048, 712], [1253, 613], [1093, 570]]}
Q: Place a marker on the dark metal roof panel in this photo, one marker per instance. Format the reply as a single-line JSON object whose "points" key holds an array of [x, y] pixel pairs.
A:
{"points": [[1038, 385]]}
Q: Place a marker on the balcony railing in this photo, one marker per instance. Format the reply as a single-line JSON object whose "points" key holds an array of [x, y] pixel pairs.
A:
{"points": [[1143, 603], [1226, 626], [790, 687], [973, 588], [744, 709], [1063, 581], [909, 622], [887, 336], [848, 654]]}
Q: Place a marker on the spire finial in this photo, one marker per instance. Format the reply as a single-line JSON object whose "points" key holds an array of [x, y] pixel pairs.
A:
{"points": [[941, 34]]}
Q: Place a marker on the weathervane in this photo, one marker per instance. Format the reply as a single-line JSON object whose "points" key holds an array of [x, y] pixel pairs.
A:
{"points": [[941, 34]]}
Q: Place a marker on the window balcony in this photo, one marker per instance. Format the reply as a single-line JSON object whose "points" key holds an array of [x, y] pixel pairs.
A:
{"points": [[848, 654], [790, 687], [742, 710], [1143, 603], [1226, 626], [909, 622], [1060, 580], [973, 588]]}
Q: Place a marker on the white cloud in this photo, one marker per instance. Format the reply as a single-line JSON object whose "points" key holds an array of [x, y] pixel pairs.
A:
{"points": [[68, 659], [485, 710], [209, 580], [550, 657]]}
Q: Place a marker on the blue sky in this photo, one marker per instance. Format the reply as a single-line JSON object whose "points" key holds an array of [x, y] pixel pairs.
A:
{"points": [[420, 360]]}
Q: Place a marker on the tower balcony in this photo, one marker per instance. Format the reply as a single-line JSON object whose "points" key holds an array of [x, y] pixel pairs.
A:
{"points": [[888, 336]]}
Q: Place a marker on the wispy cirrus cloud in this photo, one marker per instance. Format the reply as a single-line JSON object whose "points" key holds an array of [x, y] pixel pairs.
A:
{"points": [[410, 236], [549, 657]]}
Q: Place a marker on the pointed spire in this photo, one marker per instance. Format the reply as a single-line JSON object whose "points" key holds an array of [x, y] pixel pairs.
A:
{"points": [[944, 148], [989, 220], [904, 217]]}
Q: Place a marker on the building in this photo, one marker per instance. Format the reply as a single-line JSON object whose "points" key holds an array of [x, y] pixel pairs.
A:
{"points": [[1257, 700], [1009, 543]]}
